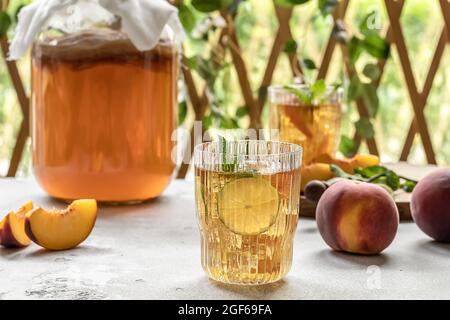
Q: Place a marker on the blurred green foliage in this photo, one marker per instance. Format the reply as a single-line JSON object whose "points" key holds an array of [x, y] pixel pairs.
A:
{"points": [[311, 25]]}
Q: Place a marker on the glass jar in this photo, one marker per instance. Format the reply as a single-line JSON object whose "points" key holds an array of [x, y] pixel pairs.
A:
{"points": [[314, 125], [247, 198], [103, 114]]}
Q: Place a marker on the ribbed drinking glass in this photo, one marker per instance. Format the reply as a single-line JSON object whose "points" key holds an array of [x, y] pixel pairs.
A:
{"points": [[247, 197]]}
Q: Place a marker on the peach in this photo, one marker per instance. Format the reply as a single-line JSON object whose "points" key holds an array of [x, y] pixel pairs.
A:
{"points": [[12, 228], [62, 229], [315, 171], [357, 217], [349, 165], [430, 205]]}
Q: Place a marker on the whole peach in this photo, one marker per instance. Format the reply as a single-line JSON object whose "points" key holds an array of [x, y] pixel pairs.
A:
{"points": [[357, 217], [430, 205]]}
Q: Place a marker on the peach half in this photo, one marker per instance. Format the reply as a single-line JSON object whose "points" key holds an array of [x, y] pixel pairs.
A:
{"points": [[62, 229], [12, 228]]}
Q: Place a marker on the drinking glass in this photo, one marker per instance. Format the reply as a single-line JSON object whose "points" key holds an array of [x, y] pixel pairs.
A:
{"points": [[314, 125], [247, 198]]}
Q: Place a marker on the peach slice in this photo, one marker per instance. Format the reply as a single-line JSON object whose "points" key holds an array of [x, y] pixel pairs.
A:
{"points": [[12, 228], [62, 229]]}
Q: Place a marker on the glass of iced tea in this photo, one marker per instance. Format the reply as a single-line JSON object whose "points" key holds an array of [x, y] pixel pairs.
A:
{"points": [[247, 198], [315, 124]]}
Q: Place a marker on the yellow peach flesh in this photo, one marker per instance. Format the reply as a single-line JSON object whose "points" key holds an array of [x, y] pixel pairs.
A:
{"points": [[62, 229]]}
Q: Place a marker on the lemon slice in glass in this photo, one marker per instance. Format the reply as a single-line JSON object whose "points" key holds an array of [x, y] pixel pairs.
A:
{"points": [[248, 206]]}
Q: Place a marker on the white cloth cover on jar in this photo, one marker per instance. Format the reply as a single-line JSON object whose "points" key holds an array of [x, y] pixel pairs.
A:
{"points": [[142, 20]]}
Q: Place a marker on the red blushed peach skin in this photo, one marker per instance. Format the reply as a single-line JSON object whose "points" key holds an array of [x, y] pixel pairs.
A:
{"points": [[430, 205], [12, 228], [62, 229], [357, 217]]}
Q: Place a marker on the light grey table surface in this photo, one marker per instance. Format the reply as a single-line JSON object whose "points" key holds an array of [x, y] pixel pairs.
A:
{"points": [[152, 251]]}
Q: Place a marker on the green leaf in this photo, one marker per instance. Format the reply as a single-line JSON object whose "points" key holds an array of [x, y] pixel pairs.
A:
{"points": [[347, 146], [370, 96], [355, 48], [290, 2], [241, 112], [408, 185], [369, 172], [392, 180], [338, 172], [210, 5], [228, 123], [354, 90], [318, 89], [191, 62], [376, 46], [187, 17], [364, 128], [5, 23], [182, 112], [371, 71], [364, 25], [207, 122], [327, 6], [301, 95], [309, 64], [290, 46]]}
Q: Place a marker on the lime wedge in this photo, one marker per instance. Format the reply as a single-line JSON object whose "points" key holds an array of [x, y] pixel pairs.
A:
{"points": [[248, 206]]}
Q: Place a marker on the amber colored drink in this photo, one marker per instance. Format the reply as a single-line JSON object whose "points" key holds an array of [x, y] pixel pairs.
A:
{"points": [[315, 127], [103, 115], [248, 220]]}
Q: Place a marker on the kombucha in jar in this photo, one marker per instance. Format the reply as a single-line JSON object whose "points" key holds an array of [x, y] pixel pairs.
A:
{"points": [[103, 114]]}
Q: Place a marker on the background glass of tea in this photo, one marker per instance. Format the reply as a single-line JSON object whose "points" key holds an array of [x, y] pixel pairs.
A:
{"points": [[247, 197], [315, 126]]}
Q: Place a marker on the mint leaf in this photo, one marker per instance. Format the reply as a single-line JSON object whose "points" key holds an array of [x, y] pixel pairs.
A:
{"points": [[318, 89], [302, 96]]}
